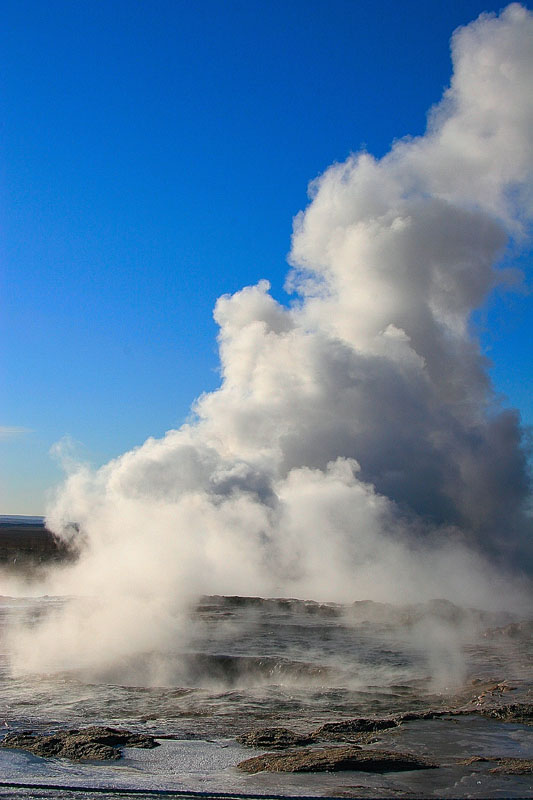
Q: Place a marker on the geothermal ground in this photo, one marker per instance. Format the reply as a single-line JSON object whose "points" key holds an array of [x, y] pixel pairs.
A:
{"points": [[281, 697]]}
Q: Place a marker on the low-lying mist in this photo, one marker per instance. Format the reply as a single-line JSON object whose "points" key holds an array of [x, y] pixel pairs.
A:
{"points": [[355, 449]]}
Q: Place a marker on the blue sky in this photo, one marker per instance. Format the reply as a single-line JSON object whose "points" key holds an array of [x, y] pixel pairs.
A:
{"points": [[153, 157]]}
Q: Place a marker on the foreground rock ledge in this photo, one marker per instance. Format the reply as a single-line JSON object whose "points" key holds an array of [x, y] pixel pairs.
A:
{"points": [[88, 744], [334, 759]]}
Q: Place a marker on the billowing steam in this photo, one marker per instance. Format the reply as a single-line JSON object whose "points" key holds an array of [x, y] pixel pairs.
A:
{"points": [[355, 448]]}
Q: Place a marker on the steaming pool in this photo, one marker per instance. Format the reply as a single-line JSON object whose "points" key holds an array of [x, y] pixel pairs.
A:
{"points": [[251, 663]]}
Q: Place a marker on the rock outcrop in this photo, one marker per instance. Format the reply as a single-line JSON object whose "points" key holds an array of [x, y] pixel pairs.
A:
{"points": [[88, 744], [511, 712], [334, 759], [504, 766], [275, 738], [347, 729]]}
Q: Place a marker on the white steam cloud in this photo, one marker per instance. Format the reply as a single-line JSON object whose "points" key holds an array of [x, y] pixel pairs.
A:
{"points": [[355, 448]]}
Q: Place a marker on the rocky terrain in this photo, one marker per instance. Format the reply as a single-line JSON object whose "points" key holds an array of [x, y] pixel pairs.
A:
{"points": [[355, 733], [334, 759], [88, 744]]}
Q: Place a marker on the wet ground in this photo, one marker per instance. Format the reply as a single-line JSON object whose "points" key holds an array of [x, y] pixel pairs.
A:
{"points": [[253, 663]]}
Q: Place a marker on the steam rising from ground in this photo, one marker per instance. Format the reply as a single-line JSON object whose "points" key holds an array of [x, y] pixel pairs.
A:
{"points": [[355, 448]]}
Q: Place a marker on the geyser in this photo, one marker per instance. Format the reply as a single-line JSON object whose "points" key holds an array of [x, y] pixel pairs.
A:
{"points": [[355, 448]]}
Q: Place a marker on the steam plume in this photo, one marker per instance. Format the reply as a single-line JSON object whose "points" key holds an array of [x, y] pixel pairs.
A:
{"points": [[355, 448]]}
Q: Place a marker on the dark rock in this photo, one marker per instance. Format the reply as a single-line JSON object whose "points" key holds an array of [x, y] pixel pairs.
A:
{"points": [[432, 713], [504, 766], [334, 759], [352, 727], [466, 762], [89, 744], [512, 712], [513, 766], [277, 738]]}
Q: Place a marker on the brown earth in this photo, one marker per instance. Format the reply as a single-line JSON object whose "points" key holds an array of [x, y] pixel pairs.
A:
{"points": [[88, 744], [334, 759], [505, 766]]}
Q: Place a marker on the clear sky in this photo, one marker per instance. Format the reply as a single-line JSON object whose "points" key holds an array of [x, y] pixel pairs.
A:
{"points": [[153, 156]]}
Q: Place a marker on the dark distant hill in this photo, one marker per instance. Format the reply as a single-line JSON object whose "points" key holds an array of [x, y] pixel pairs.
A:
{"points": [[26, 543]]}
